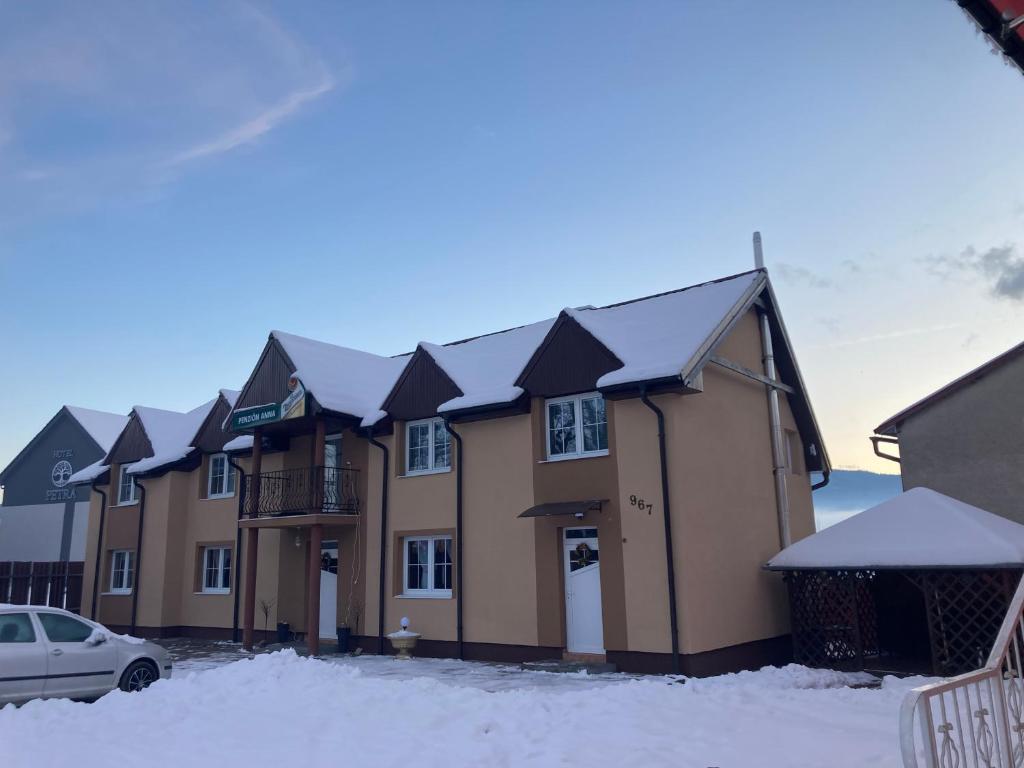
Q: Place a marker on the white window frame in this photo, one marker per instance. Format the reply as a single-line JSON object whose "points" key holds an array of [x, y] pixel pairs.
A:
{"points": [[128, 569], [228, 478], [132, 498], [431, 469], [221, 550], [577, 401], [430, 592]]}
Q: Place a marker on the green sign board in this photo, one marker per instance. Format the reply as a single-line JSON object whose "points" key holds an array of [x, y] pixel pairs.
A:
{"points": [[257, 416]]}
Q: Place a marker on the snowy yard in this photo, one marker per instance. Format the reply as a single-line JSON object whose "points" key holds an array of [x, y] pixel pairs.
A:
{"points": [[281, 709]]}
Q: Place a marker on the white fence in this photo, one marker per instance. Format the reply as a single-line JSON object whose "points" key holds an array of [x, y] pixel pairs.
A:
{"points": [[975, 720]]}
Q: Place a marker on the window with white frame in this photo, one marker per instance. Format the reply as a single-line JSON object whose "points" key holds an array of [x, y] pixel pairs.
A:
{"points": [[122, 571], [427, 447], [427, 567], [216, 570], [576, 426], [125, 488], [221, 480]]}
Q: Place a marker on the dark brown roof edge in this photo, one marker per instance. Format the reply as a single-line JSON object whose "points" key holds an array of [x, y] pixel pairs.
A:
{"points": [[888, 426], [990, 22]]}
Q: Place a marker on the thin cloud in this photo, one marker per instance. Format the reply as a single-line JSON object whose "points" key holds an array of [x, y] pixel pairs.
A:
{"points": [[252, 129], [888, 336], [796, 275], [1002, 267]]}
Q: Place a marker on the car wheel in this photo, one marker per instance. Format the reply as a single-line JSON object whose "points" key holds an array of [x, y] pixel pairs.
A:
{"points": [[139, 675]]}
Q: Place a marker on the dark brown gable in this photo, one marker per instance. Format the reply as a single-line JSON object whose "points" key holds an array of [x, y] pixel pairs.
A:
{"points": [[269, 381], [211, 437], [422, 387], [569, 360], [132, 444]]}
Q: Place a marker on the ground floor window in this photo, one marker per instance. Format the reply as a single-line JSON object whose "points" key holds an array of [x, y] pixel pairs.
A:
{"points": [[216, 569], [122, 571], [428, 566]]}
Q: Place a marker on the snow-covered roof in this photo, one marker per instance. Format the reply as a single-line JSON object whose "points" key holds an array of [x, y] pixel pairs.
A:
{"points": [[231, 395], [170, 433], [240, 443], [103, 427], [919, 528], [342, 379], [89, 473], [663, 336], [485, 368]]}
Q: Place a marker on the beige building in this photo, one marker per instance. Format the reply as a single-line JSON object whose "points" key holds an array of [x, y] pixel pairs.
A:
{"points": [[605, 484]]}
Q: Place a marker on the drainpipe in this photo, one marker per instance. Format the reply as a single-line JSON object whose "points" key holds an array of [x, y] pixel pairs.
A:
{"points": [[458, 533], [383, 537], [775, 424], [824, 480], [99, 550], [138, 553], [876, 439], [238, 549], [670, 560]]}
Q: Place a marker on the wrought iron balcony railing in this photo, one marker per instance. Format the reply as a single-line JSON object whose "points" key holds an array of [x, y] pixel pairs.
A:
{"points": [[304, 491]]}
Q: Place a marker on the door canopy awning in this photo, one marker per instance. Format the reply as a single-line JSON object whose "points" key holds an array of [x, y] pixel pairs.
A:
{"points": [[577, 508]]}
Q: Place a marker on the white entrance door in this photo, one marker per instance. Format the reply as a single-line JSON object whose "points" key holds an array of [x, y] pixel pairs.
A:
{"points": [[583, 624], [329, 589]]}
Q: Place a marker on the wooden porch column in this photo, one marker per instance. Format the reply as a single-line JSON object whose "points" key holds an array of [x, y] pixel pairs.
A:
{"points": [[252, 543], [313, 612]]}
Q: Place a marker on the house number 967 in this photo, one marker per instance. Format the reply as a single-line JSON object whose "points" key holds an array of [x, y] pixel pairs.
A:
{"points": [[639, 503]]}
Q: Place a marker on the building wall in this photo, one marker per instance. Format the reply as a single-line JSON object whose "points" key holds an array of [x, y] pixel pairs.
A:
{"points": [[41, 517], [970, 444]]}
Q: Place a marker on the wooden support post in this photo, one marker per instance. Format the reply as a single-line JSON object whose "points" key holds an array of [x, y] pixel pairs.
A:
{"points": [[317, 474], [252, 544], [313, 612]]}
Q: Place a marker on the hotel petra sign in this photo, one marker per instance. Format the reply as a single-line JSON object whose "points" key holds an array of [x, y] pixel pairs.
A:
{"points": [[292, 407]]}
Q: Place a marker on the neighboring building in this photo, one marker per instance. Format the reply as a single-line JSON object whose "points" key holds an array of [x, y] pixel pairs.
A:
{"points": [[1002, 23], [503, 492], [967, 439], [43, 517], [167, 475]]}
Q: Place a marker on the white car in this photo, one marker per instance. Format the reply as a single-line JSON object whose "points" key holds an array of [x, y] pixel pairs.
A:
{"points": [[48, 653]]}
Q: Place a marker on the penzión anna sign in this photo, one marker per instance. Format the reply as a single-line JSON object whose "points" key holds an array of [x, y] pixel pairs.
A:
{"points": [[292, 407]]}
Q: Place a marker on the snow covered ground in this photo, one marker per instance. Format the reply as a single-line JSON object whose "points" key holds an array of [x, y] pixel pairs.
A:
{"points": [[282, 709]]}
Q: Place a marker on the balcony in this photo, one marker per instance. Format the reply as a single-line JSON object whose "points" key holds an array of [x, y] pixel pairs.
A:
{"points": [[303, 491]]}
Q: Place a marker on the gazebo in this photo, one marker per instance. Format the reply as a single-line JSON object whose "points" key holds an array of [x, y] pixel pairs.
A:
{"points": [[917, 584]]}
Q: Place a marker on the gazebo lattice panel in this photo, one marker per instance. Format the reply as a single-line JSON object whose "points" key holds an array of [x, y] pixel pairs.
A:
{"points": [[965, 610], [833, 618]]}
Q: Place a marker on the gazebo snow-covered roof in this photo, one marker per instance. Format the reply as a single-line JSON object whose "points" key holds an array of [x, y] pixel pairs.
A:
{"points": [[920, 528], [919, 583]]}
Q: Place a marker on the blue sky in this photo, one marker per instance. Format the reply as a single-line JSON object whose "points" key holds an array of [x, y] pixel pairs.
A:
{"points": [[177, 179]]}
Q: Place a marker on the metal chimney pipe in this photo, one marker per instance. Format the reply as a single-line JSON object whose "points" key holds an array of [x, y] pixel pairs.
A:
{"points": [[758, 254]]}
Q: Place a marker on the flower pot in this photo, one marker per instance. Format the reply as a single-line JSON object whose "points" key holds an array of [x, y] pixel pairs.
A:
{"points": [[344, 634], [403, 642], [284, 632]]}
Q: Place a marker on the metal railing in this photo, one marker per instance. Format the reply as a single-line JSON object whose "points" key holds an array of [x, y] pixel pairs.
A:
{"points": [[975, 719], [303, 491]]}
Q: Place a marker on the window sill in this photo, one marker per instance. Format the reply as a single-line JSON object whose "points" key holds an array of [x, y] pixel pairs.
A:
{"points": [[573, 457], [446, 595], [423, 472], [218, 496], [127, 504], [213, 592], [121, 592]]}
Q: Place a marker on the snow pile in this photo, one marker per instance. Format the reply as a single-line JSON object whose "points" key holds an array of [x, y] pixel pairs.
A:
{"points": [[104, 633], [342, 379], [485, 368], [280, 709], [170, 433], [89, 473], [918, 528], [662, 336], [240, 443], [102, 426]]}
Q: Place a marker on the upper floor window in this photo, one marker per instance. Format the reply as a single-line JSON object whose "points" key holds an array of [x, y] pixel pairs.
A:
{"points": [[576, 426], [427, 447], [126, 488], [221, 480]]}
